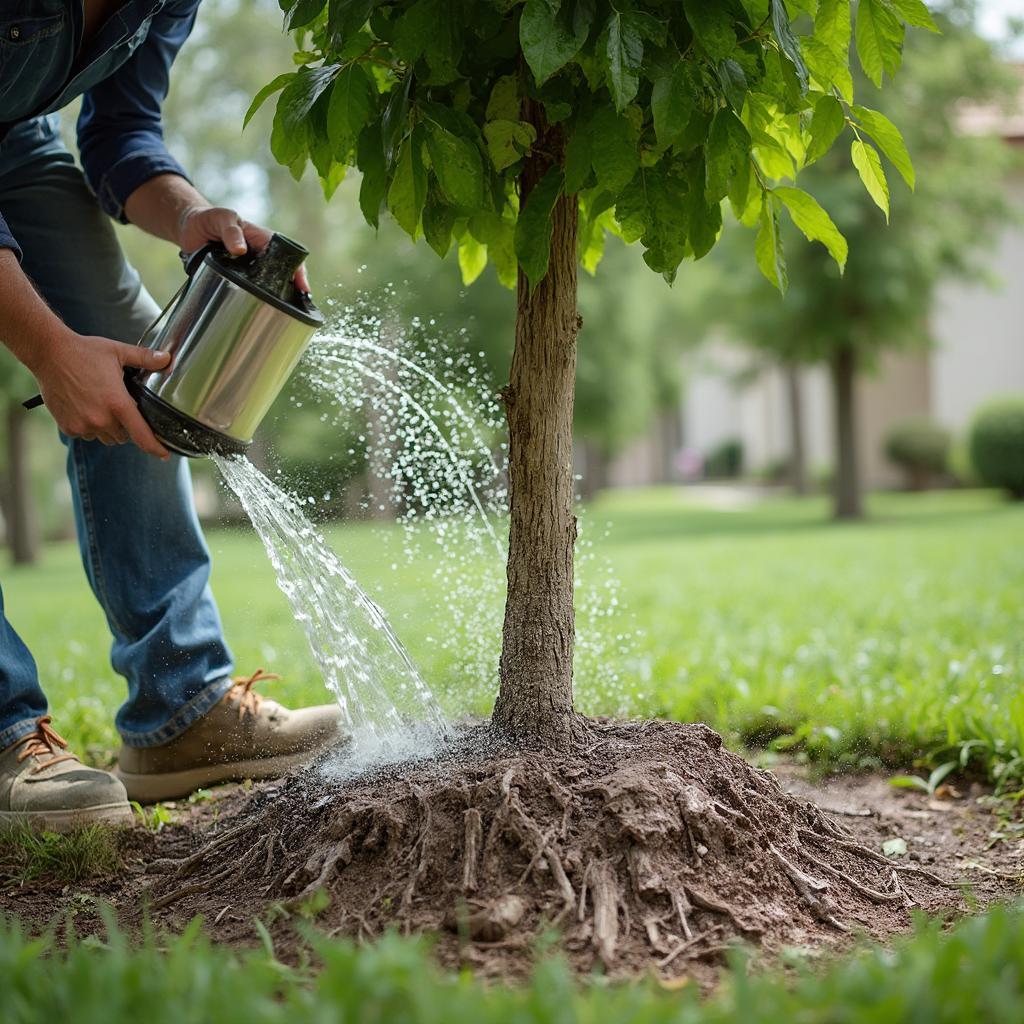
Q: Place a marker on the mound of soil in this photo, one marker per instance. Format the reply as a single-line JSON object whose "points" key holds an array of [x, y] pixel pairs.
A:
{"points": [[653, 849]]}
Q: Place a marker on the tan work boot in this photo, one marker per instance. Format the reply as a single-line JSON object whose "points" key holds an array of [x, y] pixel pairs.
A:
{"points": [[244, 736], [45, 786]]}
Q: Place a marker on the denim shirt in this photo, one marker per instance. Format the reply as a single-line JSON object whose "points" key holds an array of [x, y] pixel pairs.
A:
{"points": [[122, 74]]}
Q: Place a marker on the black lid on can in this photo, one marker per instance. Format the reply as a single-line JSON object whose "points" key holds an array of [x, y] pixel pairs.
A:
{"points": [[269, 274]]}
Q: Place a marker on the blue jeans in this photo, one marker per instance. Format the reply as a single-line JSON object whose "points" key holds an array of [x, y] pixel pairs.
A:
{"points": [[141, 544]]}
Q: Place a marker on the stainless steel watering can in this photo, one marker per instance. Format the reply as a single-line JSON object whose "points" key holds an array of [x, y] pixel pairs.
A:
{"points": [[235, 331]]}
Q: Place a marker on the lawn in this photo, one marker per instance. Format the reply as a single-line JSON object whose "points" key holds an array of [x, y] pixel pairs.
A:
{"points": [[896, 640], [882, 642]]}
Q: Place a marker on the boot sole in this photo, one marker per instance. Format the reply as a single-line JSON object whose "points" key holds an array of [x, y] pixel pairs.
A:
{"points": [[149, 788], [119, 813]]}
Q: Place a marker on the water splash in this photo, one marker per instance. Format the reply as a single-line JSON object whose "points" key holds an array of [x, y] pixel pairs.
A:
{"points": [[427, 419], [388, 709]]}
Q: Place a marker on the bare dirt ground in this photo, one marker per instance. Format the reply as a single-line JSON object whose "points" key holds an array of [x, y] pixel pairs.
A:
{"points": [[655, 850]]}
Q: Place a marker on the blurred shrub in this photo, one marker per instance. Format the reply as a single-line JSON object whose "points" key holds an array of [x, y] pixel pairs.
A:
{"points": [[997, 444], [725, 460], [920, 447], [959, 463]]}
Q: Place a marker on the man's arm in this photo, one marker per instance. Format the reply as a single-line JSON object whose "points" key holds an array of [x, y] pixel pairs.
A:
{"points": [[170, 207], [81, 378], [121, 141]]}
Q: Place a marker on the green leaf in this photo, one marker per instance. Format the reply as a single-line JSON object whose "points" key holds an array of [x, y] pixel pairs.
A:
{"points": [[672, 103], [408, 190], [303, 13], [268, 90], [712, 25], [472, 258], [734, 83], [726, 153], [438, 221], [624, 49], [431, 29], [816, 225], [548, 43], [915, 13], [504, 104], [613, 149], [349, 108], [330, 181], [458, 167], [827, 51], [909, 782], [745, 196], [889, 140], [832, 27], [507, 141], [788, 42], [869, 167], [939, 775], [879, 37], [346, 17], [533, 230], [498, 234], [771, 260], [827, 123], [578, 158], [373, 167], [393, 121], [288, 139]]}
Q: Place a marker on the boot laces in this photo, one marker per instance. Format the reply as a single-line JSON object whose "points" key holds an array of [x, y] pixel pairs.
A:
{"points": [[45, 741], [242, 690]]}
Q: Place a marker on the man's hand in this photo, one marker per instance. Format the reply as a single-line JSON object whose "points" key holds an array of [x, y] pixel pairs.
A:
{"points": [[82, 382], [81, 378], [202, 224]]}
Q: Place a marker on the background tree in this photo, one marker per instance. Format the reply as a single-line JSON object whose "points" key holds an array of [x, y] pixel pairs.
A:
{"points": [[521, 132], [901, 245], [17, 498]]}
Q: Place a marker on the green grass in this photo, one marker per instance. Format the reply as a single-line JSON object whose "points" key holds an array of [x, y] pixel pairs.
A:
{"points": [[27, 853], [975, 974], [877, 643]]}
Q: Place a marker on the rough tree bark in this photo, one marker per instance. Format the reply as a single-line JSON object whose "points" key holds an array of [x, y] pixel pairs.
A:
{"points": [[535, 704], [797, 451], [22, 526], [848, 502]]}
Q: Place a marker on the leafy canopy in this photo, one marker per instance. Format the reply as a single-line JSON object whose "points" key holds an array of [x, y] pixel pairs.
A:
{"points": [[654, 113]]}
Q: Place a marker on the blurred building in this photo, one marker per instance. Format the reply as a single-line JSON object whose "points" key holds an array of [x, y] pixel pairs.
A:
{"points": [[979, 353]]}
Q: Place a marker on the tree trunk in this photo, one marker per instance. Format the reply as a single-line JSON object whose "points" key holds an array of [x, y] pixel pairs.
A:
{"points": [[22, 524], [797, 451], [848, 499], [534, 705], [595, 471]]}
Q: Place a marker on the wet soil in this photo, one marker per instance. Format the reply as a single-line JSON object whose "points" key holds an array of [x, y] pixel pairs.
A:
{"points": [[653, 849]]}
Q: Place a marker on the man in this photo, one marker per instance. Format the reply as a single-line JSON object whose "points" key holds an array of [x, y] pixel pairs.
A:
{"points": [[71, 308]]}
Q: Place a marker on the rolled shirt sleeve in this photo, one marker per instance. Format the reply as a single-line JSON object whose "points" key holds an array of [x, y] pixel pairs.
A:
{"points": [[120, 131], [7, 240]]}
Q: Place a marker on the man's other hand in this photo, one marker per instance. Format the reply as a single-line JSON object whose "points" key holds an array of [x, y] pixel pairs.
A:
{"points": [[202, 224], [82, 382]]}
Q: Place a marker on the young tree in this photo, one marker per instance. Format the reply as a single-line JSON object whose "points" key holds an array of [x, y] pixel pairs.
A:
{"points": [[521, 132], [884, 300]]}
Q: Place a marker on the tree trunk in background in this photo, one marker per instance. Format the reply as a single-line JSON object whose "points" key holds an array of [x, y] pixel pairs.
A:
{"points": [[848, 500], [797, 451], [22, 524], [595, 470], [535, 704], [670, 440]]}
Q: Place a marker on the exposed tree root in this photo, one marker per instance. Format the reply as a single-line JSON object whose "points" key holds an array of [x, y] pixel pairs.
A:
{"points": [[656, 848]]}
